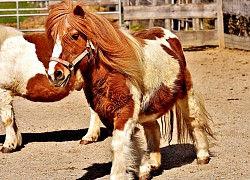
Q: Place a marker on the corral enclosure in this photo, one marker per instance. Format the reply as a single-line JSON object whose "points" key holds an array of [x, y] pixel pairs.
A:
{"points": [[195, 22], [224, 23], [237, 23], [52, 131]]}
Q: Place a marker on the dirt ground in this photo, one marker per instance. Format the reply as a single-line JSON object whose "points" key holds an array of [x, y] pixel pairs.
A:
{"points": [[51, 131]]}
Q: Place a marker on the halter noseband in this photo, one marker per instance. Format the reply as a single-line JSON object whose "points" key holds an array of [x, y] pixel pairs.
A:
{"points": [[71, 65]]}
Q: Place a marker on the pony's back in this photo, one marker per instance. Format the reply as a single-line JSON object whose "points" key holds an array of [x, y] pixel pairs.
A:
{"points": [[8, 32]]}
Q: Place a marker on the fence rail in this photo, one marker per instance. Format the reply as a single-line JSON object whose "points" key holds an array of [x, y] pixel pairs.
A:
{"points": [[169, 11], [43, 11], [186, 18]]}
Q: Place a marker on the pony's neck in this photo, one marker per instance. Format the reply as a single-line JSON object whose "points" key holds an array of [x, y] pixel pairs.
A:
{"points": [[94, 72], [93, 75]]}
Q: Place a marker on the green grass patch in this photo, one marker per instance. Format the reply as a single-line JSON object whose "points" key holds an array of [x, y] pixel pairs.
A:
{"points": [[12, 5], [137, 27]]}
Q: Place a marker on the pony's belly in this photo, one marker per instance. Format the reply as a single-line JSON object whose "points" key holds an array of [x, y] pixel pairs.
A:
{"points": [[158, 102]]}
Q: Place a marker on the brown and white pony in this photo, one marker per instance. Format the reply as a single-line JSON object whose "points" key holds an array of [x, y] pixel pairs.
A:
{"points": [[23, 59], [127, 80]]}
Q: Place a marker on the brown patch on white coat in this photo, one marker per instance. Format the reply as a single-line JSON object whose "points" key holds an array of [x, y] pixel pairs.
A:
{"points": [[129, 80]]}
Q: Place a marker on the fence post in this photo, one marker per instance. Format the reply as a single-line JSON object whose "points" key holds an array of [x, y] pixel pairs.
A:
{"points": [[220, 24], [168, 21], [17, 15], [196, 21], [152, 21]]}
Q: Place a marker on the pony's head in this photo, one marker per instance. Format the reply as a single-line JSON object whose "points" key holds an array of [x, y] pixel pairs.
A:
{"points": [[82, 38], [69, 43]]}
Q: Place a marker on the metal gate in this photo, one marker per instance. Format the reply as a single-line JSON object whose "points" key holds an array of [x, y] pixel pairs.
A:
{"points": [[41, 9]]}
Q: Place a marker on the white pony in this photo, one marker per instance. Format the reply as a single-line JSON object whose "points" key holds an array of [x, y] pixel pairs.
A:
{"points": [[23, 59]]}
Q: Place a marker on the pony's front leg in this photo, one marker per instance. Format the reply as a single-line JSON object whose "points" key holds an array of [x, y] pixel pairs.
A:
{"points": [[93, 130], [127, 142], [118, 170], [128, 151], [13, 136]]}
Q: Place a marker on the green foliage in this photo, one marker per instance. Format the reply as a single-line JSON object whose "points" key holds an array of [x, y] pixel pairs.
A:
{"points": [[137, 27]]}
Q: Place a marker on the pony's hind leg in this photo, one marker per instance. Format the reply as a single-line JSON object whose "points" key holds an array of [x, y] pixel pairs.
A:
{"points": [[153, 136], [93, 130], [191, 113], [13, 136]]}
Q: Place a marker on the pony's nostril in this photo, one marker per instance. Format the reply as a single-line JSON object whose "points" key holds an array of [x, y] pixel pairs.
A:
{"points": [[59, 75]]}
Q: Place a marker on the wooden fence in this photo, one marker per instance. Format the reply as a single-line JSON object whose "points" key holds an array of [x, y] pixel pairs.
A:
{"points": [[110, 9], [194, 22], [237, 24], [224, 23]]}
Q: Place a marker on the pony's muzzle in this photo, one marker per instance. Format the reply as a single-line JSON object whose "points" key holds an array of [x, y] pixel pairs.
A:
{"points": [[58, 79], [59, 75]]}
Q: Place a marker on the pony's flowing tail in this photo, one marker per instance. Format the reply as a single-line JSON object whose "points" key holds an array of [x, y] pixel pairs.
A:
{"points": [[190, 114], [167, 126]]}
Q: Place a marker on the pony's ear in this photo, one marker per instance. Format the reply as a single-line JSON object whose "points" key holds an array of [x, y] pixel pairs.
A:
{"points": [[79, 11]]}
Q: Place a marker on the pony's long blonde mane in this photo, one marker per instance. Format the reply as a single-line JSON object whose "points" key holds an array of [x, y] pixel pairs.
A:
{"points": [[116, 49], [8, 32]]}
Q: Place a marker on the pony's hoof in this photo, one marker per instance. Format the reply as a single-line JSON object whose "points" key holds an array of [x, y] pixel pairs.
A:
{"points": [[145, 177], [154, 168], [6, 150], [85, 142], [203, 161], [203, 157]]}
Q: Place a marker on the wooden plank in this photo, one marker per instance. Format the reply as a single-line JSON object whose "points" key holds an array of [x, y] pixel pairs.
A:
{"points": [[237, 7], [173, 11], [197, 38], [237, 42], [111, 17], [167, 23], [152, 21], [102, 2], [196, 24], [220, 25]]}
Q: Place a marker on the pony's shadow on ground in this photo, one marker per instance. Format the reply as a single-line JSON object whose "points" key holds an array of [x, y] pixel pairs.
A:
{"points": [[173, 156], [57, 136]]}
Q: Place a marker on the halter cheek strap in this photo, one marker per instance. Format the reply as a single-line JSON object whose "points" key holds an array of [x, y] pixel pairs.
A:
{"points": [[71, 65]]}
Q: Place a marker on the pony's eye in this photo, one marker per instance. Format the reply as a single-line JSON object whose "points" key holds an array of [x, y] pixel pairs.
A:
{"points": [[75, 36]]}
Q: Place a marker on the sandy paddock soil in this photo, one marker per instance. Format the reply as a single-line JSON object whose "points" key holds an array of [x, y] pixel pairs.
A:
{"points": [[51, 131]]}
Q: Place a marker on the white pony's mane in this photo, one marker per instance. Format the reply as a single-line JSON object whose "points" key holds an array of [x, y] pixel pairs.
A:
{"points": [[8, 32]]}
